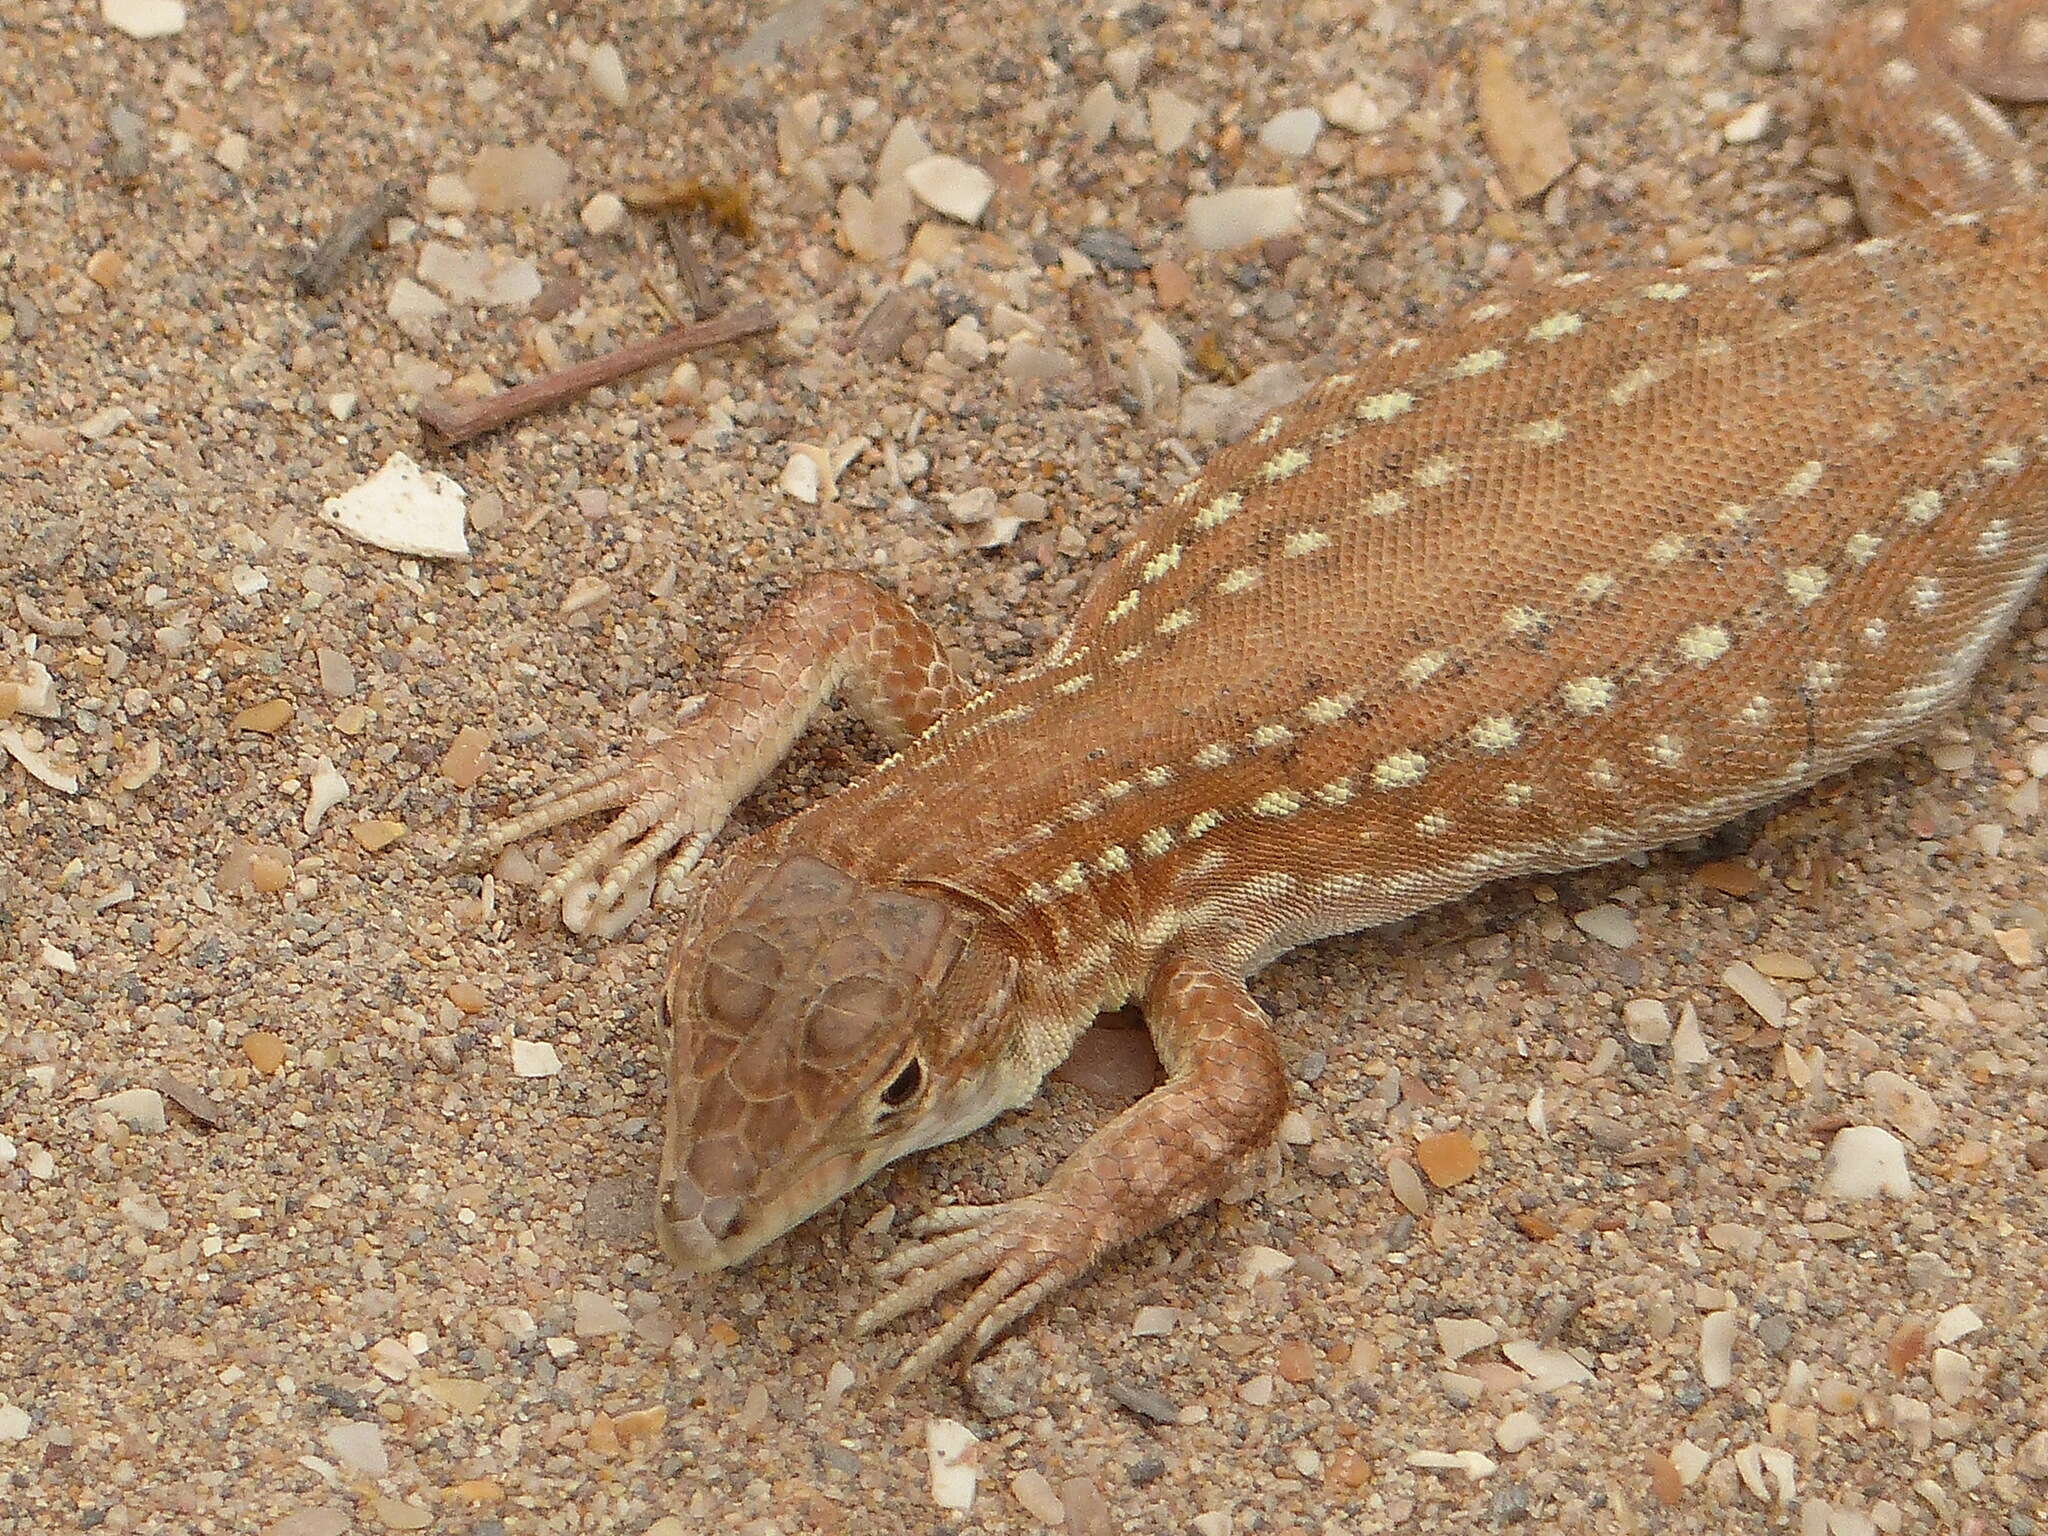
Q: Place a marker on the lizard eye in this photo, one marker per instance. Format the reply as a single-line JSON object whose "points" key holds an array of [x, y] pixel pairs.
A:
{"points": [[904, 1088]]}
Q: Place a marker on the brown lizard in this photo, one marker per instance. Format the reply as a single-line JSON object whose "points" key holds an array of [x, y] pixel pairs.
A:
{"points": [[1598, 566]]}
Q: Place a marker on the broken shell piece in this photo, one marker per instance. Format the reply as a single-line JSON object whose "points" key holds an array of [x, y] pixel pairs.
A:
{"points": [[40, 764], [405, 509]]}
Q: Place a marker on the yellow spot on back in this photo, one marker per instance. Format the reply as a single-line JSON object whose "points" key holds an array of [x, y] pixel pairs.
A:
{"points": [[1160, 563], [1116, 789], [1667, 751], [1733, 515], [1122, 608], [1668, 549], [1806, 584], [1703, 643], [1992, 541], [1550, 429], [1524, 622], [1558, 326], [1421, 668], [1434, 824], [1601, 775], [1631, 384], [1472, 364], [1384, 503], [1112, 860], [1926, 595], [1594, 587], [1269, 429], [1073, 684], [1804, 479], [1306, 542], [1214, 755], [1336, 792], [1386, 407], [1219, 511], [1237, 580], [1328, 709], [1922, 507], [1756, 714], [1200, 823], [1156, 777], [1515, 794], [1862, 548], [2005, 459], [1070, 879], [1175, 622], [1271, 736], [1436, 471], [1821, 676], [1127, 655], [1496, 733], [1400, 770], [1277, 802], [1155, 842], [1288, 461], [1587, 695], [1875, 632], [1666, 292]]}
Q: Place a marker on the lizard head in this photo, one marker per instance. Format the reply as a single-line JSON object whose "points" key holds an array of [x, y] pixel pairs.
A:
{"points": [[820, 1027]]}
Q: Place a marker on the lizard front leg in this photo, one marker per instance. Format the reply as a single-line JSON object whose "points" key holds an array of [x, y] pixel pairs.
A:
{"points": [[1170, 1153], [834, 631]]}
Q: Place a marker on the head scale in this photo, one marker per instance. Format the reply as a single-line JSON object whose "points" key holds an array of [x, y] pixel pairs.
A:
{"points": [[817, 1023]]}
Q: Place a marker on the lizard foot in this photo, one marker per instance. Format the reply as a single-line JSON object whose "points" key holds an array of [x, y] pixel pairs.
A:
{"points": [[1021, 1251]]}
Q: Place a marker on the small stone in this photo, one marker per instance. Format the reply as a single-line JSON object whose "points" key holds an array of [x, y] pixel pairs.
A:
{"points": [[144, 20], [607, 72], [949, 1447], [404, 509], [145, 1213], [447, 192], [1526, 136], [315, 1520], [2032, 1460], [1610, 924], [1240, 216], [411, 304], [1460, 1336], [264, 1050], [1034, 1491], [903, 148], [951, 186], [1548, 1369], [1173, 119], [463, 763], [1293, 132], [1154, 1322], [1909, 1108], [535, 1058], [1647, 1021], [14, 1422], [455, 1392], [1865, 1161], [1755, 989], [1748, 125], [1259, 1262], [1518, 1431], [325, 789], [398, 1515], [596, 1316], [140, 1109], [1448, 1158], [509, 177], [1950, 1373], [265, 719], [604, 214], [231, 154], [1957, 1322], [359, 1446], [1363, 107], [1717, 1349], [1728, 877], [801, 478], [377, 833], [1688, 1045], [104, 423], [493, 279], [1408, 1187]]}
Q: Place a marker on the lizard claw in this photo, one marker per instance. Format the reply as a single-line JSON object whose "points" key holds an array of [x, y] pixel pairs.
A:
{"points": [[1021, 1251]]}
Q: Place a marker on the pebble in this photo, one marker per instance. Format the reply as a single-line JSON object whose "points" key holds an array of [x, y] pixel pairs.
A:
{"points": [[1865, 1161], [447, 192], [1362, 107], [1460, 1336], [951, 186], [604, 214], [1293, 132], [411, 304], [1518, 1431], [1408, 1187], [359, 1446], [231, 154], [1034, 1491], [145, 1213], [1717, 1349], [1903, 1103], [1173, 119], [144, 20], [949, 1447], [506, 178], [1755, 989], [325, 789], [14, 1422], [1240, 216], [1154, 1322], [1958, 1322], [105, 422], [1647, 1021], [1610, 924], [607, 74], [1448, 1158], [534, 1058], [1547, 1369], [490, 278], [264, 1050], [1259, 1262], [596, 1316], [1526, 136], [140, 1109], [1688, 1045], [1748, 125], [405, 509]]}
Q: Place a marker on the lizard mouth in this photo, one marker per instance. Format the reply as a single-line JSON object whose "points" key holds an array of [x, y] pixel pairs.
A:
{"points": [[704, 1233]]}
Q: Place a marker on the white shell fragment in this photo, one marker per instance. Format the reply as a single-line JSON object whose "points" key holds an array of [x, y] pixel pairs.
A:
{"points": [[1221, 221], [949, 1447], [405, 509], [951, 186], [535, 1058], [144, 19], [1865, 1161]]}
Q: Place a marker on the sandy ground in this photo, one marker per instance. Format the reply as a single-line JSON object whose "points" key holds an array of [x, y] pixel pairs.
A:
{"points": [[364, 1275]]}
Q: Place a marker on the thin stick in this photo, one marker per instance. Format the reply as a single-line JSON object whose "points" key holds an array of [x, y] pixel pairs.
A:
{"points": [[321, 272], [703, 302], [458, 423]]}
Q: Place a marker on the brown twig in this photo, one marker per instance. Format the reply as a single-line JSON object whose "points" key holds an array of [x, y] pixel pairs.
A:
{"points": [[452, 423], [321, 272], [696, 286]]}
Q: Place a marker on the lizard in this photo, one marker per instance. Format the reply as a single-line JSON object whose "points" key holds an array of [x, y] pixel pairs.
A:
{"points": [[1598, 565]]}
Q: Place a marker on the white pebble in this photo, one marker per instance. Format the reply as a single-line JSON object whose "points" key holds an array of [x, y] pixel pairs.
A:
{"points": [[411, 304], [1748, 125], [1293, 132], [1950, 1373], [1173, 119], [1154, 1322], [951, 186], [1957, 1322], [1098, 112], [1610, 924], [535, 1058], [358, 1445], [1717, 1349], [1360, 108], [1648, 1021], [1909, 1108], [903, 148], [607, 72], [1865, 1161], [801, 478], [140, 1109], [490, 278], [604, 214], [405, 509], [1548, 1369], [1262, 1263], [1238, 216], [1688, 1044], [144, 19], [325, 789], [1518, 1431], [447, 192], [14, 1422], [1460, 1336], [949, 1446]]}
